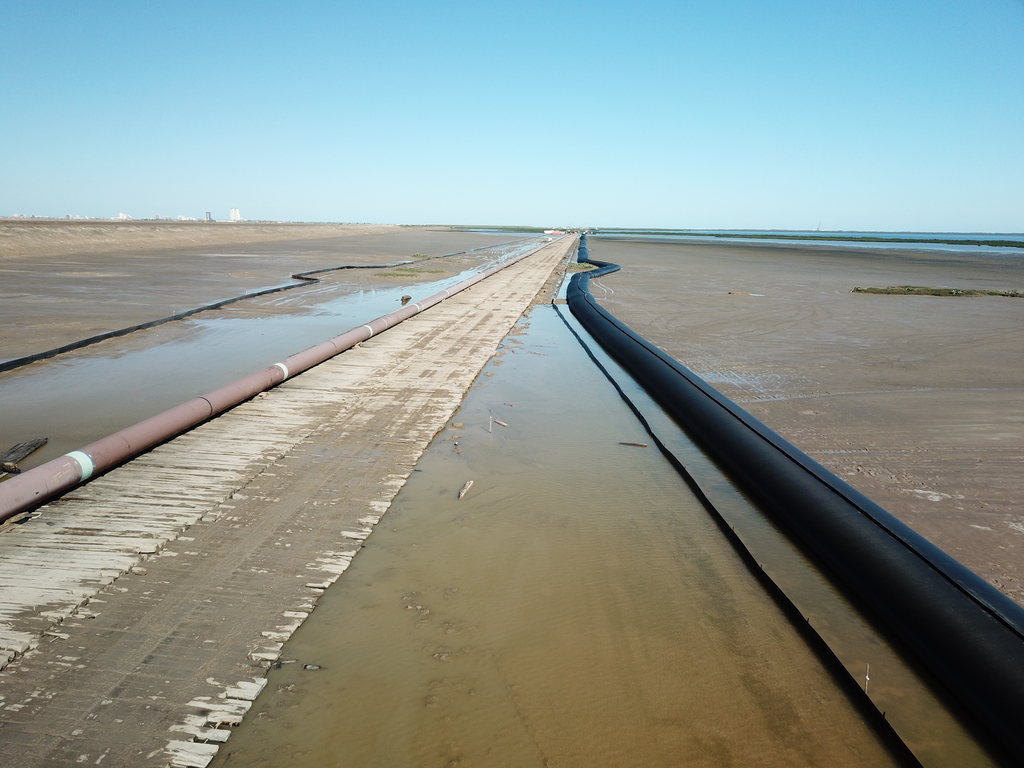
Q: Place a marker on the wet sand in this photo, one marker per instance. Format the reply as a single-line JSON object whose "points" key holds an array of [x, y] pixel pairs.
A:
{"points": [[577, 608], [917, 401], [62, 282]]}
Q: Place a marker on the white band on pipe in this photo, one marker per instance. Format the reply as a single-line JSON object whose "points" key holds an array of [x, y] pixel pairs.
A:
{"points": [[84, 462], [369, 329], [284, 368], [418, 307]]}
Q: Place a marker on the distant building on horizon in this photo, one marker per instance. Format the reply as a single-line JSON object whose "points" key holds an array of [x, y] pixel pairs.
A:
{"points": [[234, 215]]}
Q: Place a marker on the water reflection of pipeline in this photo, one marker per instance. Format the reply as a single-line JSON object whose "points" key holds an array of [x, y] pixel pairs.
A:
{"points": [[964, 631], [305, 279]]}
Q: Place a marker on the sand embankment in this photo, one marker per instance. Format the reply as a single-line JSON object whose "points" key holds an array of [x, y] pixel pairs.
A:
{"points": [[917, 401]]}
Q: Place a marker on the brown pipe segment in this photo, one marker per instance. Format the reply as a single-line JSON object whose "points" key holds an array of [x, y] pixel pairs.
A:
{"points": [[107, 452], [52, 478], [55, 477], [239, 391], [302, 361]]}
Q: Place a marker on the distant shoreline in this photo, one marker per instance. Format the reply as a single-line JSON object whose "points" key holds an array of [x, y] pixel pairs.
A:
{"points": [[896, 237], [828, 237]]}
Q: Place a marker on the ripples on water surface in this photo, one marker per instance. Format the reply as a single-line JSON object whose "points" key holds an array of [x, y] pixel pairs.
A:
{"points": [[577, 608]]}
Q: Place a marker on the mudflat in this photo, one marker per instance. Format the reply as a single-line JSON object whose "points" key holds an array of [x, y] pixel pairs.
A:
{"points": [[65, 281], [917, 401]]}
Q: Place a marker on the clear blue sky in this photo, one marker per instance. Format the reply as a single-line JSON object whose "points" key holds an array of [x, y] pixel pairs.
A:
{"points": [[855, 115]]}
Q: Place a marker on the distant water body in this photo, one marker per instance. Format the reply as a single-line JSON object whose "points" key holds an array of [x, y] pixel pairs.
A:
{"points": [[955, 241], [909, 236], [976, 242]]}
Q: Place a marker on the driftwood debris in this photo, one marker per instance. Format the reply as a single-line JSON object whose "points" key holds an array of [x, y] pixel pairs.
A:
{"points": [[635, 445], [9, 459], [465, 489], [501, 423], [406, 299]]}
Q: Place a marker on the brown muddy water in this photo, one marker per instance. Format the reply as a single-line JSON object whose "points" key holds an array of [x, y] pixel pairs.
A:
{"points": [[578, 607]]}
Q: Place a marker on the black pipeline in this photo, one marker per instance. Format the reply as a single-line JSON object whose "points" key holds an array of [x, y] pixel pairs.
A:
{"points": [[965, 632]]}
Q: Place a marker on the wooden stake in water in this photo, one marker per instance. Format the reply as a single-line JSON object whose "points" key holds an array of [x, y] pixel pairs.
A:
{"points": [[867, 677], [490, 424]]}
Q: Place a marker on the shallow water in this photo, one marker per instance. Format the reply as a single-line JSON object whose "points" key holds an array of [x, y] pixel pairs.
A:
{"points": [[84, 395], [578, 607], [915, 708]]}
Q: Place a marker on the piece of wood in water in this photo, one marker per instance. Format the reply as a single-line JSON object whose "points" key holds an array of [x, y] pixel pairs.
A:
{"points": [[9, 459], [635, 445], [465, 489], [501, 423], [21, 450]]}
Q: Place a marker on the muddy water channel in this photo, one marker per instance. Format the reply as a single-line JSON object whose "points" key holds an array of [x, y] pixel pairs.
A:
{"points": [[578, 607]]}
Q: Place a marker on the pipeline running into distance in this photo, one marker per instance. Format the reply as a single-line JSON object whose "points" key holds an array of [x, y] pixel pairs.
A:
{"points": [[47, 481], [305, 279], [964, 631]]}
